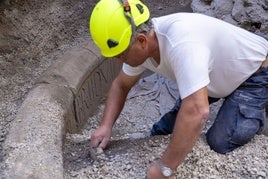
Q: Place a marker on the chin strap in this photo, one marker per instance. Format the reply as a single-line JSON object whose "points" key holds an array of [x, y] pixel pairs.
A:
{"points": [[129, 17], [128, 14], [126, 5]]}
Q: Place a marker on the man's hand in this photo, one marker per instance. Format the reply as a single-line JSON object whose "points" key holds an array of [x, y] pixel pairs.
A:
{"points": [[155, 173], [101, 137]]}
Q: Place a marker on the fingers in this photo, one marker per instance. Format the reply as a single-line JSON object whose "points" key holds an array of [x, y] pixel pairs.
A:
{"points": [[104, 142], [100, 140], [95, 141]]}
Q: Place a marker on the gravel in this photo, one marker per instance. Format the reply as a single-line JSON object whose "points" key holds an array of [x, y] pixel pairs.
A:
{"points": [[130, 152]]}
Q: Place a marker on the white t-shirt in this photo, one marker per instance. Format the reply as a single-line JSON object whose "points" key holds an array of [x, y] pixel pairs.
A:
{"points": [[197, 51]]}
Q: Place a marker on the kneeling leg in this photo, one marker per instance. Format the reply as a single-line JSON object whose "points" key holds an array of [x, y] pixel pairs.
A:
{"points": [[235, 125]]}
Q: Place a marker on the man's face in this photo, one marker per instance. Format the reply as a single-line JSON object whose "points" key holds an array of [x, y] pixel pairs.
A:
{"points": [[134, 55]]}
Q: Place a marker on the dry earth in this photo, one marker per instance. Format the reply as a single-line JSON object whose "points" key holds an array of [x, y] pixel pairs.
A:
{"points": [[33, 34]]}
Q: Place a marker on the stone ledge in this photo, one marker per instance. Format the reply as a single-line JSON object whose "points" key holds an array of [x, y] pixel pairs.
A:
{"points": [[34, 144], [55, 105]]}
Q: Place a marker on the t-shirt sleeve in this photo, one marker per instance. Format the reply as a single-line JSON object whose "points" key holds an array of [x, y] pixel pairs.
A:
{"points": [[132, 71], [190, 63]]}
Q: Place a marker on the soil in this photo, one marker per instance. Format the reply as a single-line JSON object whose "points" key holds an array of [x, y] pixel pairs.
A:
{"points": [[34, 34]]}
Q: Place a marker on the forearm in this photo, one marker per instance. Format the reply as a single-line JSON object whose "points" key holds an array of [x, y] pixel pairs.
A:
{"points": [[189, 124], [184, 136], [114, 105]]}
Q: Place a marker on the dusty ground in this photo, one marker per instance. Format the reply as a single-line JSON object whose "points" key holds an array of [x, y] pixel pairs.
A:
{"points": [[130, 152], [33, 34]]}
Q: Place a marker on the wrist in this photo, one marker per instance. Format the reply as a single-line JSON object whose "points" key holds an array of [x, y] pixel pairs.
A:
{"points": [[106, 125], [165, 170]]}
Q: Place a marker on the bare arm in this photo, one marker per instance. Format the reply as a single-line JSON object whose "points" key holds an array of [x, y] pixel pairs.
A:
{"points": [[113, 107], [117, 97], [189, 124]]}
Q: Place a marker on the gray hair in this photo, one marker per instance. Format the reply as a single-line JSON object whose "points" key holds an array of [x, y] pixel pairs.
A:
{"points": [[144, 27]]}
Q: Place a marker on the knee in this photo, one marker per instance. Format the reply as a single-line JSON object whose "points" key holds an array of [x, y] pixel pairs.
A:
{"points": [[226, 142], [218, 144]]}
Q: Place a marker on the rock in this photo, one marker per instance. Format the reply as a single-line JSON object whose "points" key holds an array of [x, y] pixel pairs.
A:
{"points": [[248, 14]]}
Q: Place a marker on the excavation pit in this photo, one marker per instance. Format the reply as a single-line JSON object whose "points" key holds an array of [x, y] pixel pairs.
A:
{"points": [[50, 134]]}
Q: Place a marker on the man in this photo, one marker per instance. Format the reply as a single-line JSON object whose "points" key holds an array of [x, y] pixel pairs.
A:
{"points": [[208, 58]]}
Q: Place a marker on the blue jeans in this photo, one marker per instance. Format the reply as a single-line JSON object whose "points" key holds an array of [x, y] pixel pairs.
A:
{"points": [[240, 117]]}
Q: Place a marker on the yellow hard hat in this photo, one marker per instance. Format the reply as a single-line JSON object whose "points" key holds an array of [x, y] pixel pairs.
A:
{"points": [[112, 22]]}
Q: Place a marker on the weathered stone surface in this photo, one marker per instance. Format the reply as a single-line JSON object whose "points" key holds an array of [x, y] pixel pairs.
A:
{"points": [[249, 14], [87, 75], [35, 139], [74, 67], [57, 104], [93, 90]]}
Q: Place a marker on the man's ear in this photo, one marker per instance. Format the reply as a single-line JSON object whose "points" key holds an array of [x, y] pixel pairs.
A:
{"points": [[142, 39]]}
